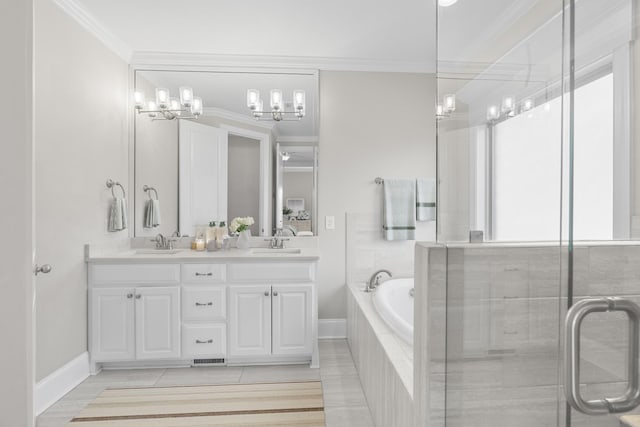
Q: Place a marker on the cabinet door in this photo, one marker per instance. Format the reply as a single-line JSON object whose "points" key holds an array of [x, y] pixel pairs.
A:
{"points": [[249, 320], [292, 319], [157, 323], [112, 317]]}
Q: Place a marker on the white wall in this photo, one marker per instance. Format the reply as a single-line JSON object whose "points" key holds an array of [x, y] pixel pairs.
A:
{"points": [[16, 150], [371, 124], [81, 141]]}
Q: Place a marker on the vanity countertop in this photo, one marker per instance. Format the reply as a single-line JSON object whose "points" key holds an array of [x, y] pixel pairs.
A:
{"points": [[142, 255]]}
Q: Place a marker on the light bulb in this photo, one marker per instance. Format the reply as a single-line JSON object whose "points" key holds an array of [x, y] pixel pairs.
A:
{"points": [[439, 110], [196, 107], [175, 106], [253, 97], [527, 104], [152, 108], [138, 99], [449, 103], [186, 96], [298, 99], [162, 97], [493, 113], [508, 103], [257, 113], [276, 99], [446, 3]]}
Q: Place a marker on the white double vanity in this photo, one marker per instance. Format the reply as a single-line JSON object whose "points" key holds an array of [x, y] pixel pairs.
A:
{"points": [[235, 307]]}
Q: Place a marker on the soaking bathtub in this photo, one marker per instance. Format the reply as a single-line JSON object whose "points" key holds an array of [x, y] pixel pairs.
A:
{"points": [[393, 300]]}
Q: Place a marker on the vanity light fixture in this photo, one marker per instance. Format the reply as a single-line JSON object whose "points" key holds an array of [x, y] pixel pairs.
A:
{"points": [[280, 110], [446, 107], [164, 107]]}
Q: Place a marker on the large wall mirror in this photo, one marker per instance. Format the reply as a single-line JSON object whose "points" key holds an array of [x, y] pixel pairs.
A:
{"points": [[227, 163]]}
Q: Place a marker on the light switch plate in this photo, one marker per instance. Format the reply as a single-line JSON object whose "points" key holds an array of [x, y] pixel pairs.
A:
{"points": [[330, 222]]}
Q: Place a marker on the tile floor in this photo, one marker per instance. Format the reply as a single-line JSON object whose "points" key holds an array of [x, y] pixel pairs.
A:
{"points": [[344, 401]]}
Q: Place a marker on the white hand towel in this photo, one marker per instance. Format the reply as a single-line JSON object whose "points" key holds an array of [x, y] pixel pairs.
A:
{"points": [[152, 213], [399, 209], [117, 215], [426, 199]]}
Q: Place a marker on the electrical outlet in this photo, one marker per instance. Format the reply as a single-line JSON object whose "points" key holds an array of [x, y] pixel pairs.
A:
{"points": [[330, 222]]}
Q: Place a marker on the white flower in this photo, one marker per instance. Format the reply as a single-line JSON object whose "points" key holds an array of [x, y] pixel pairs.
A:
{"points": [[239, 224]]}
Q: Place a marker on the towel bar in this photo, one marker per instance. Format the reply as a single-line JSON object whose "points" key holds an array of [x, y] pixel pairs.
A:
{"points": [[148, 190], [111, 183]]}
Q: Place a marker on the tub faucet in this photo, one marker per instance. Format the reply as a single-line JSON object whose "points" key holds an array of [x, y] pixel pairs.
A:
{"points": [[374, 281]]}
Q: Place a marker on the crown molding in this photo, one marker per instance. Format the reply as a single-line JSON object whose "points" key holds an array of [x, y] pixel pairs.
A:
{"points": [[87, 21], [206, 60], [236, 117]]}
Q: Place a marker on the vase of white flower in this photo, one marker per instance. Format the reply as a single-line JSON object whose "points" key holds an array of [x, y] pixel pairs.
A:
{"points": [[240, 226]]}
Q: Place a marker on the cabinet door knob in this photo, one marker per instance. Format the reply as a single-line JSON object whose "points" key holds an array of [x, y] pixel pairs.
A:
{"points": [[200, 304], [275, 294], [266, 293], [129, 296], [138, 296], [204, 342]]}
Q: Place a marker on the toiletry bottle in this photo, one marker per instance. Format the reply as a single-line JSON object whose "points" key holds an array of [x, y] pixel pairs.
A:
{"points": [[221, 231], [211, 232]]}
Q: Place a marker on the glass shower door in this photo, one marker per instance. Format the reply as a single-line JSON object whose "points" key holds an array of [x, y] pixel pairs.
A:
{"points": [[500, 169], [601, 290]]}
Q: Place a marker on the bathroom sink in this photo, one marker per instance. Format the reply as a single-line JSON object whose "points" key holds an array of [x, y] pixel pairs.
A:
{"points": [[270, 251], [157, 251]]}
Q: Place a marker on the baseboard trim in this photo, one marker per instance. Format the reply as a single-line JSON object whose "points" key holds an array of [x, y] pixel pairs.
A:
{"points": [[53, 387], [332, 328]]}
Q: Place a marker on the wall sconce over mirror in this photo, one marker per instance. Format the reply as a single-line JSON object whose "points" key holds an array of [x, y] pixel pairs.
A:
{"points": [[164, 107], [280, 110], [446, 107]]}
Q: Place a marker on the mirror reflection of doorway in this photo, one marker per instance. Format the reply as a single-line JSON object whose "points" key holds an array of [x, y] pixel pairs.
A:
{"points": [[244, 180]]}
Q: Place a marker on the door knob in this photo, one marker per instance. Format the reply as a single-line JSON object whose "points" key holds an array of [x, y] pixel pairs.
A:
{"points": [[46, 268]]}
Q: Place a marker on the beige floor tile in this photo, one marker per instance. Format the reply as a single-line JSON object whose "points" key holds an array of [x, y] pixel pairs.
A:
{"points": [[343, 391], [262, 374], [199, 376], [356, 416]]}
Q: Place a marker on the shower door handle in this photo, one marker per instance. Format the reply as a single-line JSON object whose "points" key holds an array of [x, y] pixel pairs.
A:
{"points": [[573, 322]]}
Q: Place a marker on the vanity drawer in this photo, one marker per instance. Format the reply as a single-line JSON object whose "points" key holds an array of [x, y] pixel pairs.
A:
{"points": [[204, 340], [204, 303], [204, 273], [277, 272], [138, 274]]}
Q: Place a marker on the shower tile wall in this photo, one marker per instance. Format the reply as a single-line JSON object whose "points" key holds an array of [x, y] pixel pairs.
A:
{"points": [[503, 319]]}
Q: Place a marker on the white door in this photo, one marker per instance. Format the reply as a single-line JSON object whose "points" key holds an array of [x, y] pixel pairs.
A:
{"points": [[250, 320], [112, 319], [157, 322], [292, 319], [203, 175]]}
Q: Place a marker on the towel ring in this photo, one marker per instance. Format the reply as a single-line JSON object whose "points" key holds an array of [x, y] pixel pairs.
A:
{"points": [[111, 183], [148, 190]]}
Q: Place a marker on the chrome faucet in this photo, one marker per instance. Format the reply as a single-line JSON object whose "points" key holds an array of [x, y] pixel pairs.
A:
{"points": [[374, 280], [277, 241], [163, 242]]}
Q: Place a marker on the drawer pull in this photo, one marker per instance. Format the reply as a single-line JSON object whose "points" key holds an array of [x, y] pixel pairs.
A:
{"points": [[204, 342], [204, 274], [201, 304]]}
